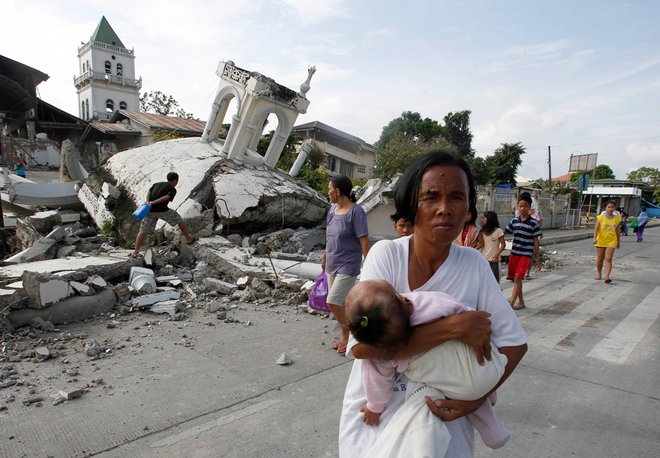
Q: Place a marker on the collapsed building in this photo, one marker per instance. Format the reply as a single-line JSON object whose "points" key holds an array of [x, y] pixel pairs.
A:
{"points": [[259, 222]]}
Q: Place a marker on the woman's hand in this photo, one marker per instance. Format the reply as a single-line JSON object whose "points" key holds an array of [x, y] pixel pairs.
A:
{"points": [[451, 409], [474, 330]]}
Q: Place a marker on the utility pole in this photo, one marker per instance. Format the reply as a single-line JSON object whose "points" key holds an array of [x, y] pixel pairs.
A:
{"points": [[549, 169]]}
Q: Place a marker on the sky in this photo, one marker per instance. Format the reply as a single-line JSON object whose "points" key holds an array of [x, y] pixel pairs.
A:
{"points": [[578, 76]]}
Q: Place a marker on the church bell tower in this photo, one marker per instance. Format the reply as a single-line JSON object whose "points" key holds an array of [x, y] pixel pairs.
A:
{"points": [[107, 75]]}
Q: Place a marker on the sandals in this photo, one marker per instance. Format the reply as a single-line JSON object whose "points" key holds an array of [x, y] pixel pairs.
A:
{"points": [[608, 280]]}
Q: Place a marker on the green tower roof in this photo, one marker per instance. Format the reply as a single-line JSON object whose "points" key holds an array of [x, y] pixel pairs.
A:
{"points": [[105, 34]]}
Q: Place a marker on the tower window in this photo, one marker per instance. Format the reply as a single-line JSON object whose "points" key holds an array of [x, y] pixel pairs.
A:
{"points": [[123, 105], [82, 109], [87, 109], [108, 67], [120, 69], [109, 106]]}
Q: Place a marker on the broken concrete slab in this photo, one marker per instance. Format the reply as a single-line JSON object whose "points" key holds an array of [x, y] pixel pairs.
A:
{"points": [[150, 299], [114, 265], [43, 222], [109, 191], [170, 307], [82, 289], [221, 286], [70, 393], [72, 309], [95, 206]]}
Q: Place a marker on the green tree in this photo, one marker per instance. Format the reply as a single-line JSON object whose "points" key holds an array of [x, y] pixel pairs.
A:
{"points": [[601, 172], [457, 131], [401, 150], [163, 104], [479, 170], [648, 175], [289, 152], [410, 124], [503, 164]]}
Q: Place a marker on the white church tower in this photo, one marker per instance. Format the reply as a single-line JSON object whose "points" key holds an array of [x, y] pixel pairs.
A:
{"points": [[107, 76]]}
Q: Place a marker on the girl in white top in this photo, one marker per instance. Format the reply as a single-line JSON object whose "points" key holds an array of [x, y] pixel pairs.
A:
{"points": [[491, 240]]}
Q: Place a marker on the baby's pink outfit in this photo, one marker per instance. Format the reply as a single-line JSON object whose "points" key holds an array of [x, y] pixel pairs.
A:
{"points": [[379, 375]]}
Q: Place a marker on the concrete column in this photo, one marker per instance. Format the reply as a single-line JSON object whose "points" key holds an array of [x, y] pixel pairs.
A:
{"points": [[300, 160], [237, 153], [275, 149], [235, 121]]}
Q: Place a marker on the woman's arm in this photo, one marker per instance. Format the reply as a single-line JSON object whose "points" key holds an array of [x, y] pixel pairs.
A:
{"points": [[472, 327], [596, 230], [480, 241], [364, 243], [325, 252], [501, 249], [451, 409]]}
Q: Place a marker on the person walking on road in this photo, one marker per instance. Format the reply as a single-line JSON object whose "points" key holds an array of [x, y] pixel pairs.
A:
{"points": [[491, 240], [347, 241], [642, 219], [159, 196], [526, 234], [435, 193], [607, 237]]}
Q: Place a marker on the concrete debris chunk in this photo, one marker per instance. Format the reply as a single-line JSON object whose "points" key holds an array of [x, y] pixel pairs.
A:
{"points": [[70, 393], [284, 360], [65, 251], [82, 289], [150, 299], [243, 282], [42, 353], [92, 348], [97, 282], [57, 399], [44, 222], [221, 286], [215, 306], [170, 307]]}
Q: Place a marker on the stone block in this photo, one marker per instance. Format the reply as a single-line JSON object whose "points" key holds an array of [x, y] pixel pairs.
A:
{"points": [[26, 233], [43, 222], [97, 281], [58, 234], [41, 250], [150, 299], [221, 286], [64, 251], [70, 393], [54, 291], [82, 289], [170, 307]]}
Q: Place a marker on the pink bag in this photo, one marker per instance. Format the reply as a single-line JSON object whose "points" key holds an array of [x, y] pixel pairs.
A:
{"points": [[319, 293]]}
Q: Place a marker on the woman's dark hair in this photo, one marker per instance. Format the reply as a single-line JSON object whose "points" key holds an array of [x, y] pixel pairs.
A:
{"points": [[473, 217], [406, 197], [492, 222], [613, 202], [396, 217], [345, 186], [379, 319]]}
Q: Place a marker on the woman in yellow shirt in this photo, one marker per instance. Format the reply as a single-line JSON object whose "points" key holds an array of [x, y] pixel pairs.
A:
{"points": [[607, 237]]}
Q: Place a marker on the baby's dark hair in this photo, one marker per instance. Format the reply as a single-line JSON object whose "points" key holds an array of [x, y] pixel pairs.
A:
{"points": [[375, 315]]}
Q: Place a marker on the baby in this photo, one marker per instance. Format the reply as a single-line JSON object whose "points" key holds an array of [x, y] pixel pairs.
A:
{"points": [[377, 315]]}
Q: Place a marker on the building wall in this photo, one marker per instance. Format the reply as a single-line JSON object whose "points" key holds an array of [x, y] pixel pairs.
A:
{"points": [[361, 164]]}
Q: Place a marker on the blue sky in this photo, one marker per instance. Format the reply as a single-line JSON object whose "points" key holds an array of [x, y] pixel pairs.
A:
{"points": [[579, 76]]}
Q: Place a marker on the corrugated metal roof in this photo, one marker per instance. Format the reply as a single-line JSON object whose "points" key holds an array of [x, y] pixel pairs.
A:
{"points": [[156, 121], [113, 128], [332, 130]]}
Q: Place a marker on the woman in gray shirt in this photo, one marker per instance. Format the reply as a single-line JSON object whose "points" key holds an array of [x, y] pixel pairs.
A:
{"points": [[347, 241]]}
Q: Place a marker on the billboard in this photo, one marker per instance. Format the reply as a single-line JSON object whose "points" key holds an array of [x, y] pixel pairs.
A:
{"points": [[582, 162]]}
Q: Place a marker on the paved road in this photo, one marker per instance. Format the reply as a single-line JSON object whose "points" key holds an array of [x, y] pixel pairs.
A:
{"points": [[587, 387]]}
